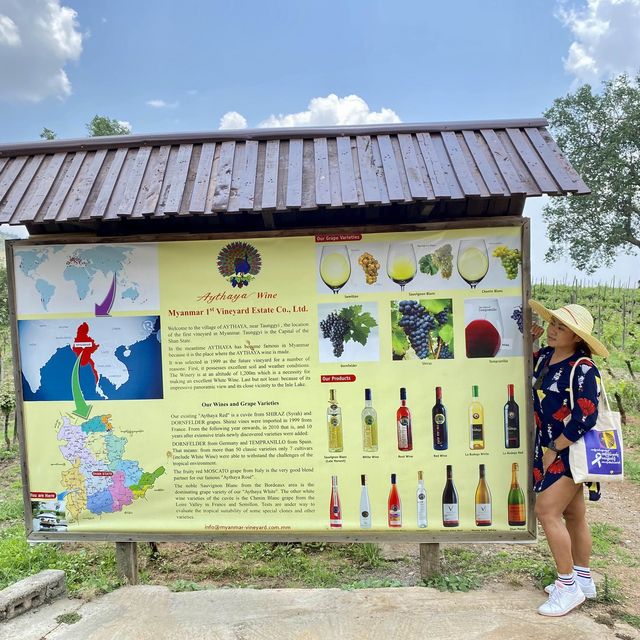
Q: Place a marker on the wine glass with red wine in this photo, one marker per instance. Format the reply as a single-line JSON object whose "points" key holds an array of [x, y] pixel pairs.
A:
{"points": [[483, 332]]}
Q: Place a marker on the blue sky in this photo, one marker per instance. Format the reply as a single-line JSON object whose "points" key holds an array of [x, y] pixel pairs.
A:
{"points": [[177, 66]]}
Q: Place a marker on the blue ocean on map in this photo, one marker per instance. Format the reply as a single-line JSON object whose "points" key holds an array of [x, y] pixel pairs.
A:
{"points": [[142, 360]]}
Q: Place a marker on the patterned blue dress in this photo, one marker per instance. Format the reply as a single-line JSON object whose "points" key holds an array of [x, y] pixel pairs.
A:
{"points": [[553, 416]]}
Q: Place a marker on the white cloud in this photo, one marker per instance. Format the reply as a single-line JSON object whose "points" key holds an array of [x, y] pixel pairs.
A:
{"points": [[9, 33], [161, 104], [606, 38], [332, 110], [233, 120], [125, 123], [43, 37]]}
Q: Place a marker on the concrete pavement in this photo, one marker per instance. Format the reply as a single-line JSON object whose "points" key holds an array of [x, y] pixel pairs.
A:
{"points": [[155, 613]]}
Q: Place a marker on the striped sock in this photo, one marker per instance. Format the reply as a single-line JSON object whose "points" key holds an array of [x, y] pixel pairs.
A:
{"points": [[584, 573], [566, 579]]}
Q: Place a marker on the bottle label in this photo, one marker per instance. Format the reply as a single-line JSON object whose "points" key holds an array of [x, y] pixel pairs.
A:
{"points": [[516, 513], [336, 522], [395, 515], [476, 432], [403, 433], [333, 421], [365, 514], [439, 418], [483, 512], [450, 512], [369, 420]]}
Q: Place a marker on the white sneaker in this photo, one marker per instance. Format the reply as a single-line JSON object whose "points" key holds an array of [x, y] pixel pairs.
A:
{"points": [[588, 587], [562, 600]]}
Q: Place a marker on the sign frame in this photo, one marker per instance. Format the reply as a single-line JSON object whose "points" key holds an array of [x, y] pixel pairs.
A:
{"points": [[397, 536]]}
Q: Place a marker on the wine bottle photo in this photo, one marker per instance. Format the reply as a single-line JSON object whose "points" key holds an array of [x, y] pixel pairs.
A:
{"points": [[335, 510], [403, 422], [439, 423], [516, 502], [450, 511], [483, 500], [394, 506]]}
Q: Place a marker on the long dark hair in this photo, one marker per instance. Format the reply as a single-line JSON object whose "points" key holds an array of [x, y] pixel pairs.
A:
{"points": [[583, 346]]}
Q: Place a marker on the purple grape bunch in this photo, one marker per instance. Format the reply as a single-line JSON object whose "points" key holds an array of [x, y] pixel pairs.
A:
{"points": [[335, 327], [517, 317]]}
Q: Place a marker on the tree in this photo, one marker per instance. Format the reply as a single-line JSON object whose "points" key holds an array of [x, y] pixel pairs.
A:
{"points": [[104, 126], [48, 134], [7, 406], [600, 134]]}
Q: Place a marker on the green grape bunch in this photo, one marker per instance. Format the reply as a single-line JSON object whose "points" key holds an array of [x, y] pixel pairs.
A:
{"points": [[510, 258], [444, 259], [440, 260]]}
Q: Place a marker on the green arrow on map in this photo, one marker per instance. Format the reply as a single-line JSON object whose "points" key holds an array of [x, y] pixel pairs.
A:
{"points": [[82, 408]]}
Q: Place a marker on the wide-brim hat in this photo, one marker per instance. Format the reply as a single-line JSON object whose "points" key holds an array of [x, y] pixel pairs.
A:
{"points": [[576, 318]]}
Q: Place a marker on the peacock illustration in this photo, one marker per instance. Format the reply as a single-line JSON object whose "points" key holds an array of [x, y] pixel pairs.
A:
{"points": [[239, 262]]}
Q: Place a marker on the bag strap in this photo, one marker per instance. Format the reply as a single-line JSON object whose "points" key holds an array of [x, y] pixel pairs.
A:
{"points": [[602, 387]]}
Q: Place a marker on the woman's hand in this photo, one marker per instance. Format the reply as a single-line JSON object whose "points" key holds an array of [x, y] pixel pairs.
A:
{"points": [[548, 457], [536, 331]]}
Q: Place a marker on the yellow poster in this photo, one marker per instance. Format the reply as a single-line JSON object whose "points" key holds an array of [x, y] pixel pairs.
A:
{"points": [[327, 384]]}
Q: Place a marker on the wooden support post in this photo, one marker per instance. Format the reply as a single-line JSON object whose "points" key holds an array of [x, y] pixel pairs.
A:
{"points": [[127, 561], [429, 559]]}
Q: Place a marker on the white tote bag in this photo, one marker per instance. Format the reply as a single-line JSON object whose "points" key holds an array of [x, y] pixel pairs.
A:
{"points": [[598, 455]]}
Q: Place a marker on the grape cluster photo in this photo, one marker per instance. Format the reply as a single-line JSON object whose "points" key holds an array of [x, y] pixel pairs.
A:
{"points": [[348, 333], [422, 329]]}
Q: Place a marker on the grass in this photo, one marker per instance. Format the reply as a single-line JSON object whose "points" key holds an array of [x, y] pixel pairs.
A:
{"points": [[605, 536], [632, 470], [69, 618]]}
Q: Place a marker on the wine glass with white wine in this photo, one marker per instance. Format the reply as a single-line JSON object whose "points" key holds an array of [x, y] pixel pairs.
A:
{"points": [[401, 263], [335, 268], [473, 261]]}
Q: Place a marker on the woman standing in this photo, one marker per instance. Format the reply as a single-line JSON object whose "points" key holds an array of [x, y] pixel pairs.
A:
{"points": [[560, 506]]}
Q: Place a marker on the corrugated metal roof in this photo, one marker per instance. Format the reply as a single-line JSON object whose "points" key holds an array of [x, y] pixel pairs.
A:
{"points": [[135, 177]]}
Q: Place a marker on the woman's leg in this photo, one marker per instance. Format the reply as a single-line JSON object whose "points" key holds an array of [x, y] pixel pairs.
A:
{"points": [[550, 505], [579, 532]]}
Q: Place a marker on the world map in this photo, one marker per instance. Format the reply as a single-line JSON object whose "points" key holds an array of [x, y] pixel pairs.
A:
{"points": [[73, 278], [100, 479]]}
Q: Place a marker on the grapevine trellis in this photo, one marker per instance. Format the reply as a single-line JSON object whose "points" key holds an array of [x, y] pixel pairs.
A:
{"points": [[616, 311]]}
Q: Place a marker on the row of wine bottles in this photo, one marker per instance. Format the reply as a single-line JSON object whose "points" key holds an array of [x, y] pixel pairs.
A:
{"points": [[516, 513], [440, 429]]}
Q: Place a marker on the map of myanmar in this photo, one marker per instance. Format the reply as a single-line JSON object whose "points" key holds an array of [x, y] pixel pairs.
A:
{"points": [[100, 479]]}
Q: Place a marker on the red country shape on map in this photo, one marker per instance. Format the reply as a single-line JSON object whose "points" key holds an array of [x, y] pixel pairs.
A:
{"points": [[85, 346]]}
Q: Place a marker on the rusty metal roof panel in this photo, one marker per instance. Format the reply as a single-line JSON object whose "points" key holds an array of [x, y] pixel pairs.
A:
{"points": [[123, 177]]}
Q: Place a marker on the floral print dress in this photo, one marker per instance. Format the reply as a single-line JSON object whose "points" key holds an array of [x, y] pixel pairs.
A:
{"points": [[553, 415]]}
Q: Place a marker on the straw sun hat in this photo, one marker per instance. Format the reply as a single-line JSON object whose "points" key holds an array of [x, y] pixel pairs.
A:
{"points": [[576, 318]]}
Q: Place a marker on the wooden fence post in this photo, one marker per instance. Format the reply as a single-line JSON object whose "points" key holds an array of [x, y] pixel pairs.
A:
{"points": [[127, 561], [429, 559]]}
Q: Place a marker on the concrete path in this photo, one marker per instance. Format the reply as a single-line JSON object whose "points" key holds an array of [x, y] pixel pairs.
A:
{"points": [[412, 613]]}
